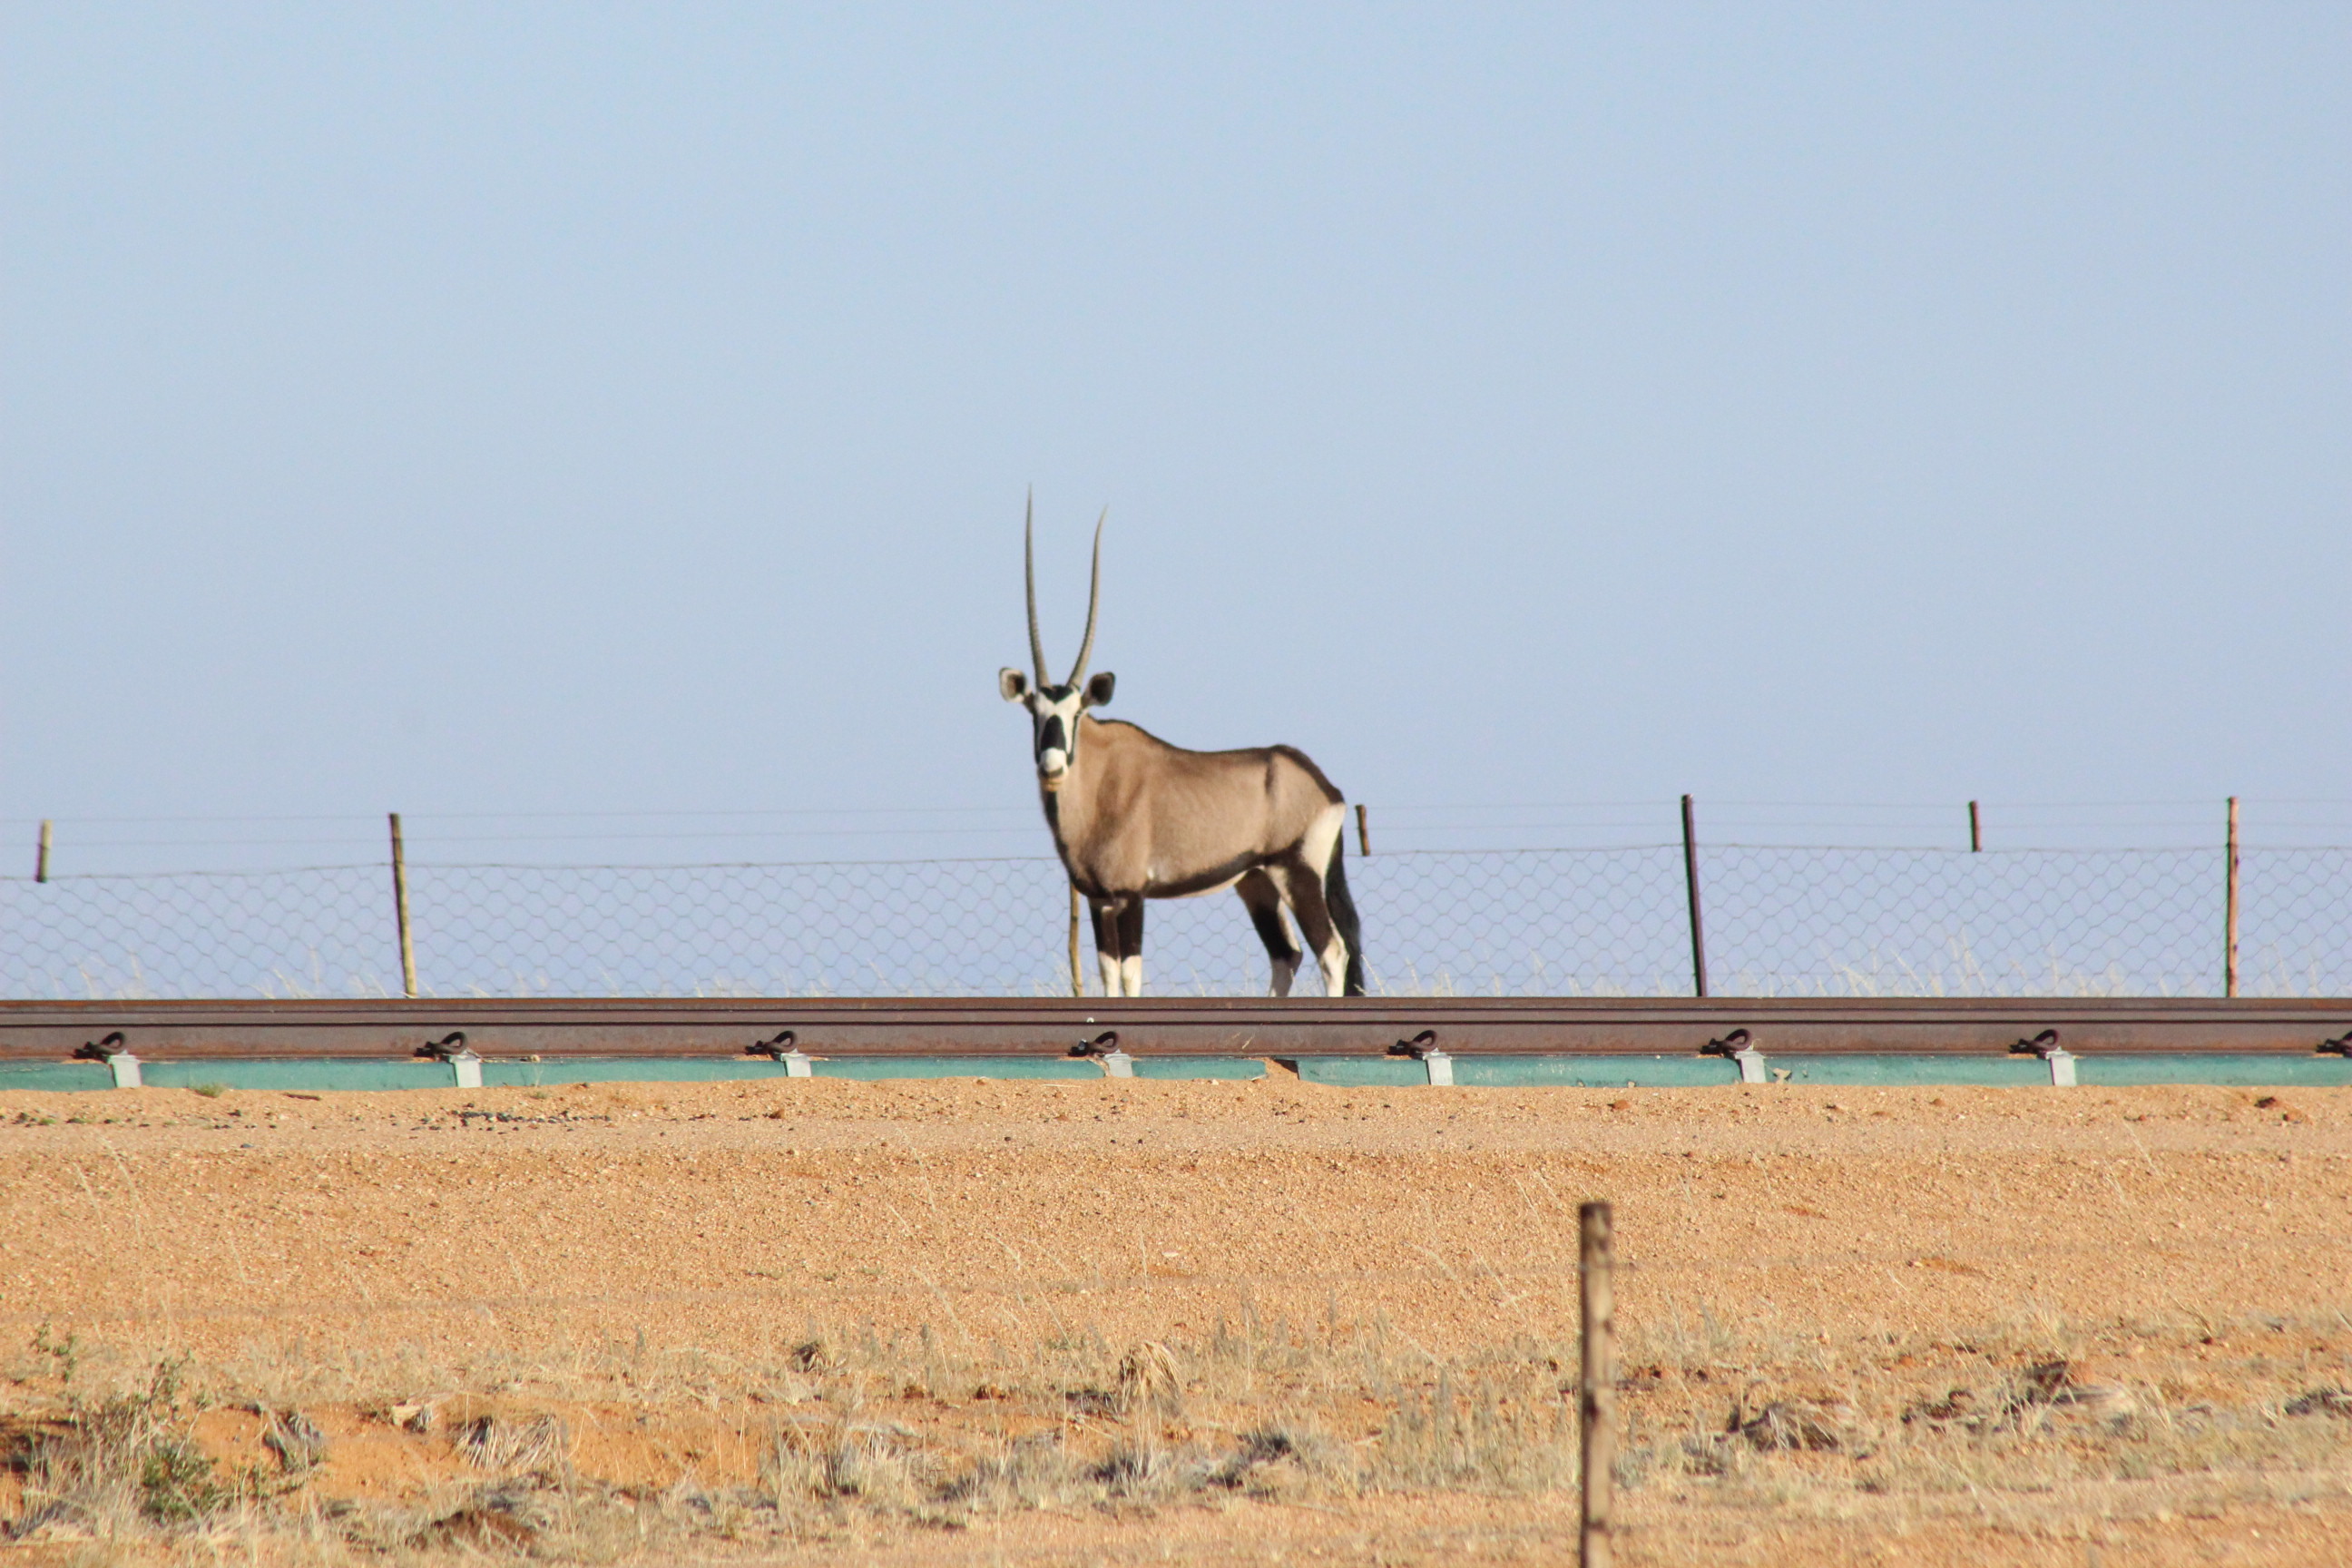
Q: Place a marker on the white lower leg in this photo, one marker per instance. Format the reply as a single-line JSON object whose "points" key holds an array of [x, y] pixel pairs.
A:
{"points": [[1110, 974], [1133, 966], [1285, 970], [1334, 962]]}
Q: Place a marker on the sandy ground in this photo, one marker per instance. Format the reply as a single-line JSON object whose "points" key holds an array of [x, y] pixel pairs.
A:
{"points": [[2190, 1248]]}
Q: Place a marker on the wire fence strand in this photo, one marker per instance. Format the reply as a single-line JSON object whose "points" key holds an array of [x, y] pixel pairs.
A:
{"points": [[1781, 921]]}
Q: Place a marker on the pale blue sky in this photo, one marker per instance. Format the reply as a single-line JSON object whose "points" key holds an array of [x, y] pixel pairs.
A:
{"points": [[571, 408]]}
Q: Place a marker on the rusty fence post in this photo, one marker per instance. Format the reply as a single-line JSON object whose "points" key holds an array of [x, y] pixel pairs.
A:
{"points": [[1597, 1402], [399, 909], [2230, 910], [1363, 830]]}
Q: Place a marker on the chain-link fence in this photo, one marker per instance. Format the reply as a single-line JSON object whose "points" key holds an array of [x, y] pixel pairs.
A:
{"points": [[1778, 920]]}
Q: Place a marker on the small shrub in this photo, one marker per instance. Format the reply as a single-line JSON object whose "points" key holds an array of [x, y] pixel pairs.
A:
{"points": [[176, 1484], [66, 1353], [128, 1455]]}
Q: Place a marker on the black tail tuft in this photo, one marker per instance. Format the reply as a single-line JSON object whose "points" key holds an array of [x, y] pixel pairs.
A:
{"points": [[1342, 906]]}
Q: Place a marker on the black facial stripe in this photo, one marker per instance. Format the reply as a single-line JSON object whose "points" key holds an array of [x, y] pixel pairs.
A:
{"points": [[1051, 737]]}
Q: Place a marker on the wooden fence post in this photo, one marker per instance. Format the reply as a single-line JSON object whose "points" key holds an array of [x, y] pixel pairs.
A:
{"points": [[2230, 911], [400, 911], [1975, 830], [1690, 882], [1078, 975], [1597, 1404], [41, 855], [1363, 831]]}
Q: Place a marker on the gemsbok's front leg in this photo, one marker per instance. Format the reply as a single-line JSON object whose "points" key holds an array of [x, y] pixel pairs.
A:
{"points": [[1106, 916], [1130, 945]]}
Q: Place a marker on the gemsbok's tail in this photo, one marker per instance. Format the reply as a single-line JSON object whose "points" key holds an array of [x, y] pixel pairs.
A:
{"points": [[1343, 915]]}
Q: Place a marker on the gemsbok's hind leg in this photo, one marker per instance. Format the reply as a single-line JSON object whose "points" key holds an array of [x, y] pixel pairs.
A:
{"points": [[1106, 944], [1263, 901], [1304, 890], [1130, 945]]}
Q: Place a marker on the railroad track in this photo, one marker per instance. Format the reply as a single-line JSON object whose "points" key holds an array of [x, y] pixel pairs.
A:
{"points": [[1465, 1040]]}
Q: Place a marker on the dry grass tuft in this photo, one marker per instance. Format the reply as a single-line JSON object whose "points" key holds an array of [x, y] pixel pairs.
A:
{"points": [[1790, 1424], [2334, 1401], [539, 1446], [498, 1522], [1147, 1380], [296, 1439]]}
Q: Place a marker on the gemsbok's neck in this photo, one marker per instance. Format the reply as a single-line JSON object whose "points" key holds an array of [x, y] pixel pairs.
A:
{"points": [[1070, 809]]}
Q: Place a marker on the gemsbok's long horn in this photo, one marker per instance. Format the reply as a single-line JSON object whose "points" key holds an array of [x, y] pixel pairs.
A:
{"points": [[1093, 597], [1029, 576]]}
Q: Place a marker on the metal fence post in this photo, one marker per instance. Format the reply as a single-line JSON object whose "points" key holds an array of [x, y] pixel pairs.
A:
{"points": [[1597, 1385], [1078, 975], [1975, 830], [1690, 881], [41, 855], [2230, 910], [400, 911], [1363, 830]]}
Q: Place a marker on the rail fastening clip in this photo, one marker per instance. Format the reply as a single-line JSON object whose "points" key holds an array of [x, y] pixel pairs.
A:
{"points": [[1423, 1048], [786, 1048], [1105, 1048], [115, 1054], [452, 1048], [1738, 1046], [2045, 1046]]}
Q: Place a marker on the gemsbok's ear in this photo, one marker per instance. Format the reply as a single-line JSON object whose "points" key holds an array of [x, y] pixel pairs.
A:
{"points": [[1098, 689], [1012, 683]]}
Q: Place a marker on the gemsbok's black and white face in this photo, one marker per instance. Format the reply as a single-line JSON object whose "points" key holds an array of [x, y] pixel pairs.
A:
{"points": [[1054, 714], [1054, 709]]}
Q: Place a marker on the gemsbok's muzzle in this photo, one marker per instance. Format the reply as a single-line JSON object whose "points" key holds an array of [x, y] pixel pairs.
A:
{"points": [[1052, 753]]}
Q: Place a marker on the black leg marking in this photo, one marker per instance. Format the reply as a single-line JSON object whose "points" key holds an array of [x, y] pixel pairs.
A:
{"points": [[1263, 901], [1131, 929], [1343, 915]]}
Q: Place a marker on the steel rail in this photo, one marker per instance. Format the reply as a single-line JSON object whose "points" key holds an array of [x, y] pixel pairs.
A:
{"points": [[885, 1027]]}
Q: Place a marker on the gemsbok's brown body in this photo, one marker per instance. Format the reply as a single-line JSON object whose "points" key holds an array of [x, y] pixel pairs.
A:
{"points": [[1134, 818]]}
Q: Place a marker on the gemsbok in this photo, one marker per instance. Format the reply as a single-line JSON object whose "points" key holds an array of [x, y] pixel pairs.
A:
{"points": [[1134, 818]]}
